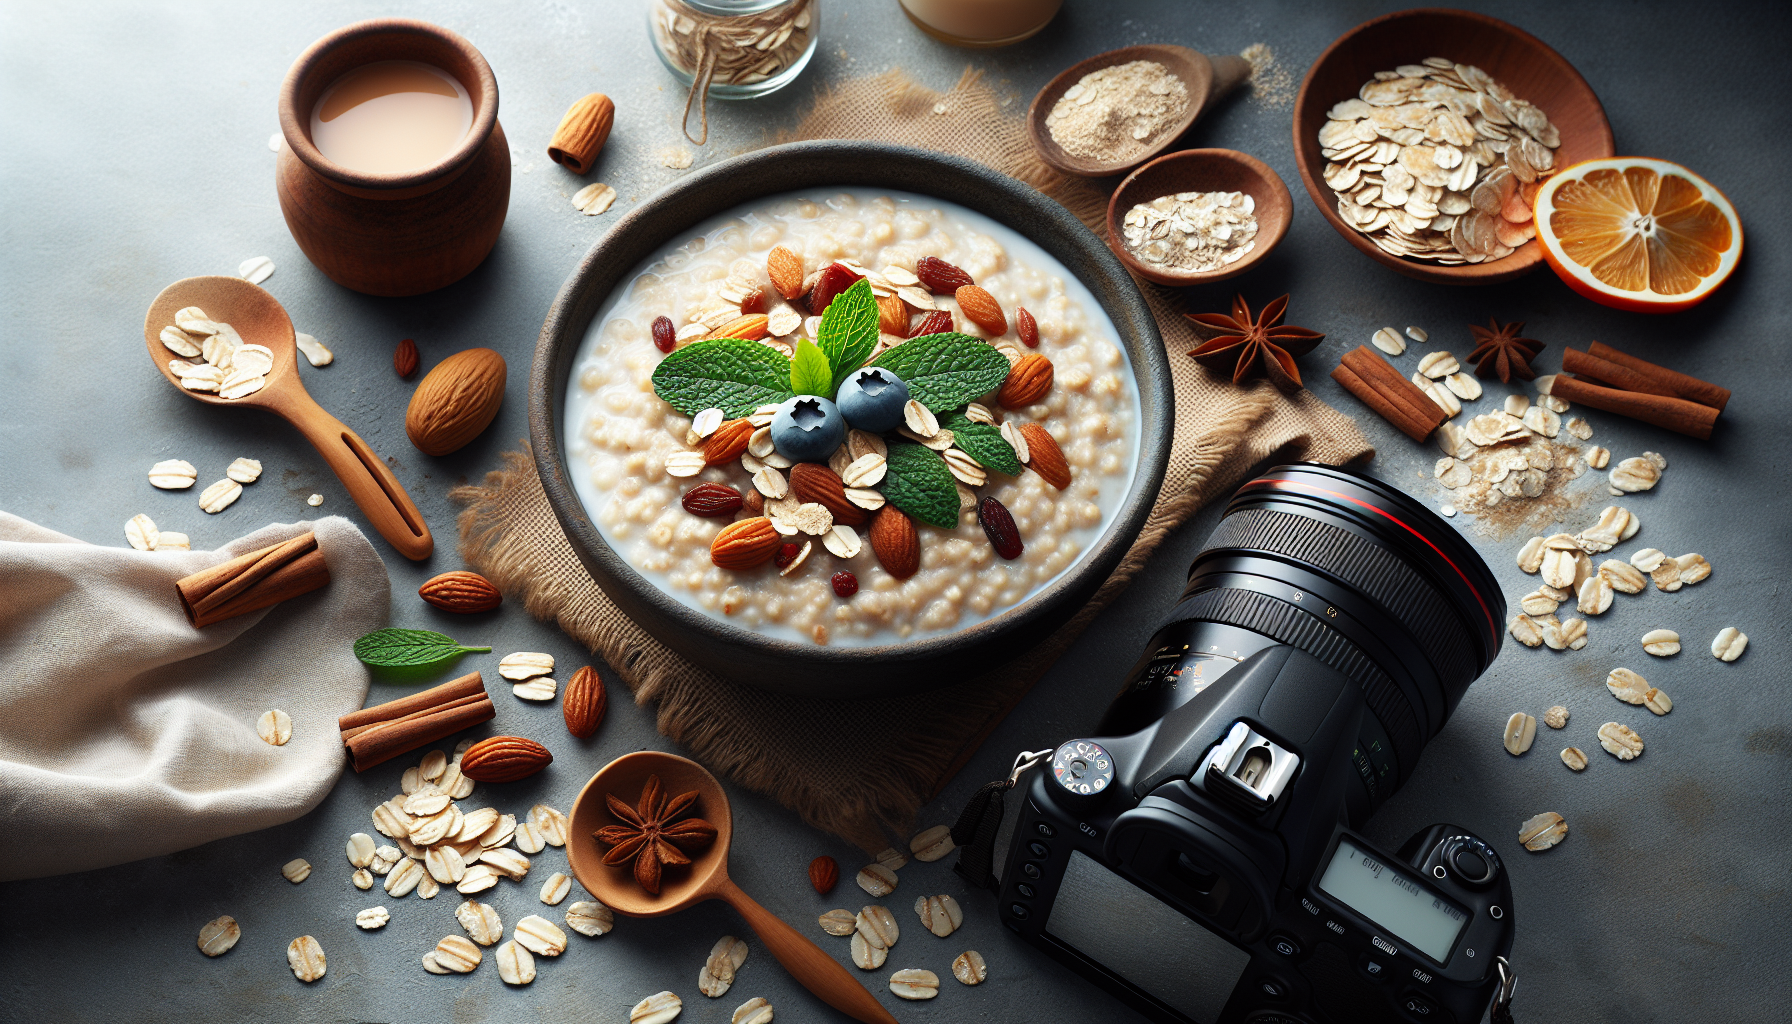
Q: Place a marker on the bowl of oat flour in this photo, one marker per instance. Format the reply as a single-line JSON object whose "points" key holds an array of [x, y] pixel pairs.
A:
{"points": [[905, 552]]}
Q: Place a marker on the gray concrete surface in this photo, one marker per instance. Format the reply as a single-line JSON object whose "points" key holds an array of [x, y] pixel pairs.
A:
{"points": [[136, 154]]}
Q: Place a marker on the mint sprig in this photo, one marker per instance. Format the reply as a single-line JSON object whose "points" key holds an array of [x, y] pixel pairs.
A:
{"points": [[848, 331], [810, 373], [944, 371], [409, 648], [917, 481], [730, 374], [983, 442]]}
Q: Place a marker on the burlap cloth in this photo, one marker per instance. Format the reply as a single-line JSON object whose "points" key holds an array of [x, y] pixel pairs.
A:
{"points": [[861, 769]]}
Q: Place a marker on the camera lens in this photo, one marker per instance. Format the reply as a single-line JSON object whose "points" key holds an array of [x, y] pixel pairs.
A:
{"points": [[1363, 578]]}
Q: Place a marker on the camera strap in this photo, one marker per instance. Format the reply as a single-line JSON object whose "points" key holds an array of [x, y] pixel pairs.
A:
{"points": [[1502, 999], [975, 831]]}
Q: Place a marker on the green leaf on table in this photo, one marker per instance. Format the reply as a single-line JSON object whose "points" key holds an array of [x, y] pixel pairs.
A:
{"points": [[917, 481], [848, 331], [731, 374], [944, 371], [983, 442], [810, 373], [409, 648]]}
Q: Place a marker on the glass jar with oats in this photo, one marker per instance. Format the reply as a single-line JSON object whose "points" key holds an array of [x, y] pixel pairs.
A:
{"points": [[733, 49]]}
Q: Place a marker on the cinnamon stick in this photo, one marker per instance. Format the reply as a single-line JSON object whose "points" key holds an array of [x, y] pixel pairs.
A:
{"points": [[378, 734], [1683, 386], [1616, 375], [1676, 414], [252, 581], [1396, 399]]}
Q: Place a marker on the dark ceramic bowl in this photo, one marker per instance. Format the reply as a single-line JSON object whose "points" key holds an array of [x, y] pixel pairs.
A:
{"points": [[738, 653]]}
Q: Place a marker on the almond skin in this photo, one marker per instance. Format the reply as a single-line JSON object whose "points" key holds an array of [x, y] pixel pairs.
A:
{"points": [[726, 444], [1045, 457], [584, 703], [895, 542], [461, 592], [752, 327], [746, 544], [1028, 381], [785, 268], [982, 309], [892, 315], [504, 759], [812, 481], [456, 401], [824, 871], [405, 359]]}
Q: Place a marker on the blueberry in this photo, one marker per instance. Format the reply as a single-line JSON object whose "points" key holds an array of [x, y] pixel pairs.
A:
{"points": [[807, 428], [872, 398]]}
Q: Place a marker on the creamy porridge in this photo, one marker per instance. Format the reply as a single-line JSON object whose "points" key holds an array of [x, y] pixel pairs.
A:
{"points": [[754, 537]]}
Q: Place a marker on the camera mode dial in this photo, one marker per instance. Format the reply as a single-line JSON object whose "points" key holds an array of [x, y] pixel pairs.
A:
{"points": [[1082, 768]]}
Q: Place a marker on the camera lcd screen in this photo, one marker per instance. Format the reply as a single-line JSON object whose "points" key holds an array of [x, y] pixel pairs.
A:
{"points": [[1415, 915], [1144, 940]]}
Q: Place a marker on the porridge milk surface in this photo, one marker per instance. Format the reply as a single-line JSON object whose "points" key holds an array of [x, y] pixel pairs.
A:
{"points": [[618, 432]]}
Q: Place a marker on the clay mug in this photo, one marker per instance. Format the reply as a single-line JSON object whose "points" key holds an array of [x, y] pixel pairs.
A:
{"points": [[401, 233]]}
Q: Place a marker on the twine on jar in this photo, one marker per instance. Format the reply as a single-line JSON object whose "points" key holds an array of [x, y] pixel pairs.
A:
{"points": [[734, 51]]}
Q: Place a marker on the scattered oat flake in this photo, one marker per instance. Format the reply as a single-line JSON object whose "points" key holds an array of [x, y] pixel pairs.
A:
{"points": [[593, 199], [939, 108], [315, 352], [274, 141], [676, 157], [244, 471], [141, 532], [315, 500], [220, 496], [255, 269]]}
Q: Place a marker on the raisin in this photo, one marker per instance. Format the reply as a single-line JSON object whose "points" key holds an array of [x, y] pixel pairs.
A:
{"points": [[940, 277], [712, 500], [1026, 327], [665, 336], [834, 279], [753, 303], [787, 554], [998, 525], [938, 321], [845, 584]]}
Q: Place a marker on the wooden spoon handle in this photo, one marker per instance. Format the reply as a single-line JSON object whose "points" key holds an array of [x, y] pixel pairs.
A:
{"points": [[819, 972], [381, 498]]}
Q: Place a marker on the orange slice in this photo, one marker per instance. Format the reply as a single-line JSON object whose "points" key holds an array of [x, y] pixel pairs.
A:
{"points": [[1636, 233]]}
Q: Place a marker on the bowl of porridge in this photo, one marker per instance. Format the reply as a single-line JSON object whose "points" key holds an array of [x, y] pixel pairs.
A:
{"points": [[845, 419]]}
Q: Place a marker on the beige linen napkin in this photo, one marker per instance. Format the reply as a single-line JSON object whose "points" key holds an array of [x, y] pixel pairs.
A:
{"points": [[127, 733]]}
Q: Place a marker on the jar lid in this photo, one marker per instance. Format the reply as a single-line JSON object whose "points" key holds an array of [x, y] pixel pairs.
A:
{"points": [[734, 8]]}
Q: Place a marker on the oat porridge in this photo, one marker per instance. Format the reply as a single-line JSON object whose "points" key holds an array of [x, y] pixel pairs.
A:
{"points": [[851, 417]]}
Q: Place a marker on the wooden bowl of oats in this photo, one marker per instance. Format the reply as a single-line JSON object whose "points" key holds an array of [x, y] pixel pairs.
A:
{"points": [[1422, 136], [691, 464], [1198, 216]]}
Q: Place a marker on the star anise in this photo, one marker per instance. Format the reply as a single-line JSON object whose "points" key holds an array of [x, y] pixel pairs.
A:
{"points": [[1247, 347], [652, 834], [1501, 353]]}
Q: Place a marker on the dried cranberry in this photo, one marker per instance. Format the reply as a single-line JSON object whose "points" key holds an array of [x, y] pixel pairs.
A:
{"points": [[787, 554], [753, 303], [998, 524], [665, 336], [940, 277], [845, 584], [834, 279], [1026, 327], [937, 322]]}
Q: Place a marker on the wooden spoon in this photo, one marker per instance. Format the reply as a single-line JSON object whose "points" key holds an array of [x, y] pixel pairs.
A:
{"points": [[261, 320], [705, 879]]}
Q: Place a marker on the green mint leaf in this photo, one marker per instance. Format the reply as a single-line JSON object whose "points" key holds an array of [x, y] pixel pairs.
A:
{"points": [[917, 481], [983, 442], [730, 374], [810, 373], [409, 648], [848, 331], [944, 371]]}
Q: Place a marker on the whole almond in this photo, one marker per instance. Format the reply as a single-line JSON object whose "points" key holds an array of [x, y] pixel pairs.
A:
{"points": [[982, 309], [461, 592], [812, 481], [752, 327], [405, 359], [584, 703], [824, 872], [785, 268], [895, 542], [753, 502], [729, 440], [1026, 327], [504, 759], [937, 322], [892, 315], [1047, 459], [746, 544], [456, 401], [582, 133], [1028, 381]]}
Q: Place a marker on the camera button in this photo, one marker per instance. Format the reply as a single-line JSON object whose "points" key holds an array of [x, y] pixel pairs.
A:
{"points": [[1470, 865], [1040, 849], [1371, 968], [1420, 1008], [1030, 869], [1025, 890], [1045, 830], [1272, 988], [1284, 945], [1020, 913]]}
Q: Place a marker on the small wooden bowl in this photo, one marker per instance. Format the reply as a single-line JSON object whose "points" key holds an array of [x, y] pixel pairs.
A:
{"points": [[1207, 78], [1203, 170], [1523, 62]]}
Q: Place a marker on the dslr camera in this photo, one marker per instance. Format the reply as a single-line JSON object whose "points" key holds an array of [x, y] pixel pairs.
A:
{"points": [[1199, 855]]}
